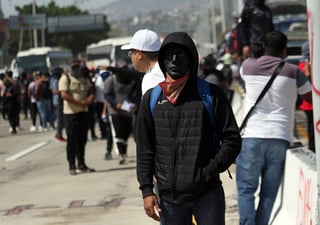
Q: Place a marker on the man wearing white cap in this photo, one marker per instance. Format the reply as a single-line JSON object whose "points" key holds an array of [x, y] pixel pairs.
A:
{"points": [[143, 51]]}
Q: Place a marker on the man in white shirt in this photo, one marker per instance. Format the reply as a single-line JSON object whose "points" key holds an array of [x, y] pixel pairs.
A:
{"points": [[269, 129], [143, 50]]}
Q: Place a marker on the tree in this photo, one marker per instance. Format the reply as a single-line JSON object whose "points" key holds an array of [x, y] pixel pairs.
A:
{"points": [[75, 41]]}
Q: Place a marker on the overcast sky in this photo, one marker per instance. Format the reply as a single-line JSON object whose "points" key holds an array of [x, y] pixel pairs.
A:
{"points": [[8, 6]]}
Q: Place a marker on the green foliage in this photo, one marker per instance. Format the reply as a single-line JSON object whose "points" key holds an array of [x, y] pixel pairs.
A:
{"points": [[75, 41]]}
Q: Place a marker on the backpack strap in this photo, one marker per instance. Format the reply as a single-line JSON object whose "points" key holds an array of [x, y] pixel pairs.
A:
{"points": [[155, 93], [204, 92]]}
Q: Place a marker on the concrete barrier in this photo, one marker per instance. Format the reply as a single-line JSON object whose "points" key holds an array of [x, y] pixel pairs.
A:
{"points": [[296, 202]]}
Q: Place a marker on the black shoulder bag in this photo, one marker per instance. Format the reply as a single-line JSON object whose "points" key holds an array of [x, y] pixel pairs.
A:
{"points": [[265, 89]]}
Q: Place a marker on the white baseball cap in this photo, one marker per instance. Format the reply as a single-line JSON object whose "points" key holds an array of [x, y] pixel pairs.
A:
{"points": [[144, 40]]}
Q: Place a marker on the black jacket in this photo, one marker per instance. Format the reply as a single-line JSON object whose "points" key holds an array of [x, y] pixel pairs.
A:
{"points": [[256, 21], [176, 143]]}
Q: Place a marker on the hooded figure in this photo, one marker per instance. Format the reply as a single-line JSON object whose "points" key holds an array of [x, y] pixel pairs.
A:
{"points": [[175, 142]]}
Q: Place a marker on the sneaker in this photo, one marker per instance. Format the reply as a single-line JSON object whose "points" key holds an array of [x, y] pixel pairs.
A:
{"points": [[60, 139], [122, 159], [108, 156], [85, 169], [72, 170], [10, 129], [33, 128], [40, 129]]}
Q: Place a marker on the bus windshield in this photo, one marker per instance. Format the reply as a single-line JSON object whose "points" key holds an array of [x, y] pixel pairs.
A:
{"points": [[32, 63], [42, 59]]}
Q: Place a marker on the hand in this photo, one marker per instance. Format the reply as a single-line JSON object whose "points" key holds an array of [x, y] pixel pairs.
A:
{"points": [[150, 204]]}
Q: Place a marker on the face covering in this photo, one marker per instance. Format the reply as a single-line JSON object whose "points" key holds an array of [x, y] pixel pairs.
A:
{"points": [[76, 71], [173, 87]]}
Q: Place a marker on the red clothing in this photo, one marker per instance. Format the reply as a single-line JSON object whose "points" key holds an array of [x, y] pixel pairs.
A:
{"points": [[304, 104]]}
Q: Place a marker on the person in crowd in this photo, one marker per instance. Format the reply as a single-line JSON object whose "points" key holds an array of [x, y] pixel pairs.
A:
{"points": [[269, 129], [90, 74], [143, 51], [77, 93], [57, 102], [11, 96], [118, 93], [99, 99], [209, 72], [106, 120], [33, 103], [43, 97], [256, 21], [307, 107], [3, 110], [25, 81], [175, 142]]}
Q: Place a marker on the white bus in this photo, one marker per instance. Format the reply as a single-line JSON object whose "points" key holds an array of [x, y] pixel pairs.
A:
{"points": [[42, 59], [107, 52]]}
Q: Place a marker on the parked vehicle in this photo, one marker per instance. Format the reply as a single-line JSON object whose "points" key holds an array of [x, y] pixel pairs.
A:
{"points": [[42, 59], [107, 52]]}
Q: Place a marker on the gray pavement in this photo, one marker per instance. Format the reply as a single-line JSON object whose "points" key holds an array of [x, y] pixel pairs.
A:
{"points": [[36, 188]]}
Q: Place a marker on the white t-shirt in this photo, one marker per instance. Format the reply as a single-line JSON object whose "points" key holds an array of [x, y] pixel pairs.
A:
{"points": [[99, 85], [273, 117], [152, 78]]}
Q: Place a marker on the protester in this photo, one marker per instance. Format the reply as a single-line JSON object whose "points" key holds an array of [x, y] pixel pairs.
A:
{"points": [[118, 93], [143, 51], [43, 96], [99, 99], [256, 21], [209, 72], [57, 102], [176, 144], [2, 107], [33, 103], [269, 130], [307, 107], [11, 100], [76, 92]]}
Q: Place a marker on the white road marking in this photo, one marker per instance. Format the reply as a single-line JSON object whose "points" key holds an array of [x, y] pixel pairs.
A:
{"points": [[27, 151]]}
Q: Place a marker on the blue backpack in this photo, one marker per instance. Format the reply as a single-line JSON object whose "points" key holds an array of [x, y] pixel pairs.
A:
{"points": [[204, 92]]}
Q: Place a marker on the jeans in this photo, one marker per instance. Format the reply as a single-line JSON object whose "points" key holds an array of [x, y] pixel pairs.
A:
{"points": [[208, 210], [259, 158], [46, 112]]}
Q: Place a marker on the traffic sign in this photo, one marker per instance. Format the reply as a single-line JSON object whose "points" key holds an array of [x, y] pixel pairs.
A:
{"points": [[27, 22], [75, 23]]}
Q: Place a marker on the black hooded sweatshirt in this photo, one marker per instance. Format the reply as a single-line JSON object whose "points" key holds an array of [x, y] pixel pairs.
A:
{"points": [[176, 145]]}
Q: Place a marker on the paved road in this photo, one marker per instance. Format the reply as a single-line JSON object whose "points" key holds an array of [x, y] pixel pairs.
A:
{"points": [[36, 188]]}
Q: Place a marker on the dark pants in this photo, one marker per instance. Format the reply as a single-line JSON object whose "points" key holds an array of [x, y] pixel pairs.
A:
{"points": [[13, 113], [309, 115], [76, 128], [108, 136], [91, 119], [34, 113], [122, 127]]}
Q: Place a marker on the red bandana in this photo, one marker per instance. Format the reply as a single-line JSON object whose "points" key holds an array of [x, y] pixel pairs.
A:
{"points": [[172, 88]]}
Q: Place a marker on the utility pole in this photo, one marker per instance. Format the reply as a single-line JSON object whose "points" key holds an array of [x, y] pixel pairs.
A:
{"points": [[313, 8], [35, 38]]}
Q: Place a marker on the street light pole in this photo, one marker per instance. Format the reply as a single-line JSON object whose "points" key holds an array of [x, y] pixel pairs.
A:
{"points": [[35, 38]]}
